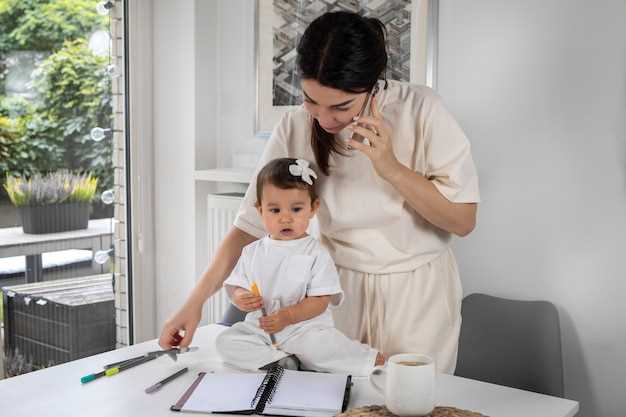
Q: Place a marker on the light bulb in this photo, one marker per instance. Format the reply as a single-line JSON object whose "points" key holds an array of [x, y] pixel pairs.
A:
{"points": [[113, 71], [98, 133], [103, 7], [100, 43], [102, 256], [108, 197]]}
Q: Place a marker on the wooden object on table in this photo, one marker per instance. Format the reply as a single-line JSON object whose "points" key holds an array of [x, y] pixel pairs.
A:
{"points": [[381, 411]]}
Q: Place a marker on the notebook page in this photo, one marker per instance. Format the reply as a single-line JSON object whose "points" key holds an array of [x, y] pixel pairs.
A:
{"points": [[309, 391], [224, 392]]}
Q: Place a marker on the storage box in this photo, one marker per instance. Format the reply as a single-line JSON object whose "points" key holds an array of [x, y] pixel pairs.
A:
{"points": [[52, 322]]}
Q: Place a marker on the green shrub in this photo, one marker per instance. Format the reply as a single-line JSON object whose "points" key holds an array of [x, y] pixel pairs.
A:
{"points": [[21, 155], [44, 25], [71, 86], [74, 95]]}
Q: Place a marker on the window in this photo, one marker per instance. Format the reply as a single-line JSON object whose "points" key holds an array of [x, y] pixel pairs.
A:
{"points": [[63, 211]]}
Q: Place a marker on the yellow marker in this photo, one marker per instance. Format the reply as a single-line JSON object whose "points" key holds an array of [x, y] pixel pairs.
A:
{"points": [[254, 289]]}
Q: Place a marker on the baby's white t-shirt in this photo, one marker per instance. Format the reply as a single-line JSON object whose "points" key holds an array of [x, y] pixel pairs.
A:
{"points": [[288, 271]]}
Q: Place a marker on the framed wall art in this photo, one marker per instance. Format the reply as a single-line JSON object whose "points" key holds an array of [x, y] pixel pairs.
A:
{"points": [[411, 42]]}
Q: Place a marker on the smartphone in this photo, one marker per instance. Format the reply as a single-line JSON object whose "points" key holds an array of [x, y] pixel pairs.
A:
{"points": [[355, 136]]}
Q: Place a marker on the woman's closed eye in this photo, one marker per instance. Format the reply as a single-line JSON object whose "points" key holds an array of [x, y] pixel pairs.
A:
{"points": [[312, 103]]}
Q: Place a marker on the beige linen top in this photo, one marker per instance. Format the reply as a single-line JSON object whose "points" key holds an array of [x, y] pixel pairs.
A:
{"points": [[364, 221]]}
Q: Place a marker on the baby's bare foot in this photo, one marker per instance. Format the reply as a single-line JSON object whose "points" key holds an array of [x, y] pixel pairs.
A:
{"points": [[381, 358]]}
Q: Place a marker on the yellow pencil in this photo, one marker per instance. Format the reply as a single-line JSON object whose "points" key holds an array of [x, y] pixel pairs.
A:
{"points": [[255, 290]]}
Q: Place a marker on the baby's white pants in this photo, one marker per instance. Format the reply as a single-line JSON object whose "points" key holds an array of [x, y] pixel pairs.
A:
{"points": [[323, 349]]}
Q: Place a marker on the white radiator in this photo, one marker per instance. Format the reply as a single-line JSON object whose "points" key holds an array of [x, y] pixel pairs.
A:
{"points": [[221, 212]]}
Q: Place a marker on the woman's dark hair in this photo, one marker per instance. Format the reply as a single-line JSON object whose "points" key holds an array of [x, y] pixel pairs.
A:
{"points": [[276, 172], [344, 51]]}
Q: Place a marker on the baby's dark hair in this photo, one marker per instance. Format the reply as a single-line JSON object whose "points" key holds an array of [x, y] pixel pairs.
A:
{"points": [[276, 172]]}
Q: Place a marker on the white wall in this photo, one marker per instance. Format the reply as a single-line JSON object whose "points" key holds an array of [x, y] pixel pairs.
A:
{"points": [[539, 87], [225, 97], [174, 140], [203, 109]]}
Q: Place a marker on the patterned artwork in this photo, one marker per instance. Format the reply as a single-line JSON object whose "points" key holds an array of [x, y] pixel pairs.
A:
{"points": [[291, 17]]}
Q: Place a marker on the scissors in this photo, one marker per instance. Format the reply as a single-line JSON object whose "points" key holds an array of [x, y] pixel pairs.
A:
{"points": [[172, 353]]}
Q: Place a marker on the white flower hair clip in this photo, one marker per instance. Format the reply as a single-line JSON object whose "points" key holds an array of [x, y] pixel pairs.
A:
{"points": [[301, 169]]}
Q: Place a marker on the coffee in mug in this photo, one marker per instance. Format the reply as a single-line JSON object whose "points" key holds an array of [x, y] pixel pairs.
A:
{"points": [[412, 363]]}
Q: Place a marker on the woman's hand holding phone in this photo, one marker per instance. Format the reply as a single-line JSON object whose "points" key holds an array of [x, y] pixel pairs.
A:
{"points": [[378, 147]]}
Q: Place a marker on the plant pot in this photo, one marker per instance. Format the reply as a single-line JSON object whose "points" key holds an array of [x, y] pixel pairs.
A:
{"points": [[54, 218]]}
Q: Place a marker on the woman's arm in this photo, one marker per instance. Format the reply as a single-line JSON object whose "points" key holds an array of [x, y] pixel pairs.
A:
{"points": [[428, 202], [419, 192], [189, 315], [224, 260], [304, 310]]}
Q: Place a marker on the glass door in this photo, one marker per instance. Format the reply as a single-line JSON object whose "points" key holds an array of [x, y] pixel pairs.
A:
{"points": [[63, 169]]}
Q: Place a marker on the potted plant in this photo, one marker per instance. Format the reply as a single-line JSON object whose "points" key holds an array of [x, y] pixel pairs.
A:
{"points": [[54, 202]]}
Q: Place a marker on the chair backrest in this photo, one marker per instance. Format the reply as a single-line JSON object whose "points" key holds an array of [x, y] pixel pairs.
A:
{"points": [[232, 316], [512, 343]]}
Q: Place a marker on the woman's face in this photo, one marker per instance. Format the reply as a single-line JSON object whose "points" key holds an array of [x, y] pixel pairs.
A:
{"points": [[333, 109]]}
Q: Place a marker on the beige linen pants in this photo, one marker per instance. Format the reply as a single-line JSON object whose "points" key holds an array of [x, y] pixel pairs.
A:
{"points": [[417, 311]]}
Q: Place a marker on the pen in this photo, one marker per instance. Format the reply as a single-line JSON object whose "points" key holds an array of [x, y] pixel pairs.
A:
{"points": [[128, 365], [115, 364], [172, 353], [112, 371], [159, 384], [255, 290]]}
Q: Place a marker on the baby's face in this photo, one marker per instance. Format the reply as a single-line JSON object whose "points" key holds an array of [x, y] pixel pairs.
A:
{"points": [[286, 213]]}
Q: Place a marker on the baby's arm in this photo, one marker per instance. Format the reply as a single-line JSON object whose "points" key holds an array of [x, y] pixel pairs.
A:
{"points": [[304, 310], [237, 283], [243, 299]]}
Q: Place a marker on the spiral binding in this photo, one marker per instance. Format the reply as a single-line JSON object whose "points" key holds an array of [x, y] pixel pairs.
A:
{"points": [[266, 390]]}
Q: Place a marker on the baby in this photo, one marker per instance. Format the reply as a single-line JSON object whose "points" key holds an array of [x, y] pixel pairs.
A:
{"points": [[297, 280]]}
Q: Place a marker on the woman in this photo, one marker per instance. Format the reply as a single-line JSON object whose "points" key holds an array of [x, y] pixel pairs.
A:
{"points": [[392, 195]]}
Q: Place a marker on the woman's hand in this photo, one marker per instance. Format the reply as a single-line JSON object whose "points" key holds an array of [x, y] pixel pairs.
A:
{"points": [[378, 133], [179, 329], [275, 322], [245, 300]]}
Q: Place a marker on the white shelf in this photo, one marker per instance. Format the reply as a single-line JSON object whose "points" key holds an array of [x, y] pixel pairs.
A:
{"points": [[236, 175]]}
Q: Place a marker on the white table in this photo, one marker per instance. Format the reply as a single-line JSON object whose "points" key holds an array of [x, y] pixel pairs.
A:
{"points": [[14, 242], [57, 391]]}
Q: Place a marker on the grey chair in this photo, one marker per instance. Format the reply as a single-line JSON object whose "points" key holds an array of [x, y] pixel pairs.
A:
{"points": [[232, 316], [512, 343]]}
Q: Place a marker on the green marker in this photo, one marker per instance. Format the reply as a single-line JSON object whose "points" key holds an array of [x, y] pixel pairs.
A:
{"points": [[117, 369], [91, 377]]}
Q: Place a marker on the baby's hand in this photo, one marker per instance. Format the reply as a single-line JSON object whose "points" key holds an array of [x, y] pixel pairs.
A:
{"points": [[246, 301], [275, 322]]}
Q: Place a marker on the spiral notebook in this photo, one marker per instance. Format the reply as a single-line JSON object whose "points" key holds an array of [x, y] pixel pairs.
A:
{"points": [[277, 392]]}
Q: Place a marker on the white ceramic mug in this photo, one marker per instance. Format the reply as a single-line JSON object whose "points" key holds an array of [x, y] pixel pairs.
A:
{"points": [[407, 381]]}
